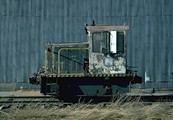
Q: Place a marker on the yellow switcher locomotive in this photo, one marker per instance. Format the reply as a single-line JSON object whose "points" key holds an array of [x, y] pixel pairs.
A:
{"points": [[96, 69]]}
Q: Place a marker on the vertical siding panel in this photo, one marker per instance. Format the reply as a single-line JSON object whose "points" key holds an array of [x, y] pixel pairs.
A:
{"points": [[155, 53], [153, 7], [167, 7], [18, 45], [160, 50], [6, 50], [116, 8], [2, 50], [26, 25], [165, 49], [168, 51], [124, 7], [107, 8], [100, 9], [12, 50], [90, 11], [1, 61], [32, 48], [94, 5], [171, 48], [85, 10], [1, 8], [147, 48], [138, 45], [134, 8]]}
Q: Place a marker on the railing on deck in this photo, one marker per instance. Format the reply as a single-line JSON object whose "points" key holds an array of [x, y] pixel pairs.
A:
{"points": [[71, 60]]}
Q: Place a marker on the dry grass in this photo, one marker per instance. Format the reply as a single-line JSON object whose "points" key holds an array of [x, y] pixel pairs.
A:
{"points": [[114, 111]]}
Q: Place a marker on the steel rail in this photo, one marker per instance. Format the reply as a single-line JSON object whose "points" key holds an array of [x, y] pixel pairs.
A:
{"points": [[48, 101]]}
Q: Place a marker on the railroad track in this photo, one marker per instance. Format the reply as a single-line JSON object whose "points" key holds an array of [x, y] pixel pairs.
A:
{"points": [[22, 101], [49, 101]]}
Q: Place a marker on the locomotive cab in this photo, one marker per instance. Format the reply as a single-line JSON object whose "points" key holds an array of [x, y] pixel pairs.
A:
{"points": [[107, 49]]}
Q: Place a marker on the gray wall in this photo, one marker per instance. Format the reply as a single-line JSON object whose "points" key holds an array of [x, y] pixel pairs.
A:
{"points": [[27, 25]]}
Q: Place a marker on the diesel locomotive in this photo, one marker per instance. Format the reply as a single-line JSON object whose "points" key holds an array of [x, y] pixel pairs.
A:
{"points": [[93, 69]]}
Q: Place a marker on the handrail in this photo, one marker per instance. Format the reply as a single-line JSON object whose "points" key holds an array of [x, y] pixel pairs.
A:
{"points": [[59, 56]]}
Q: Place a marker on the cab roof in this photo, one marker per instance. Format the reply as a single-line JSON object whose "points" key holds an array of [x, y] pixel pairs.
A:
{"points": [[106, 28]]}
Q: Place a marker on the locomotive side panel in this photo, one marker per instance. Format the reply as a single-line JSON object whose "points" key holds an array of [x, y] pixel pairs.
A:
{"points": [[66, 58]]}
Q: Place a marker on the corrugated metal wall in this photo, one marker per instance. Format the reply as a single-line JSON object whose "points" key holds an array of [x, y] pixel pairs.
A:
{"points": [[27, 25]]}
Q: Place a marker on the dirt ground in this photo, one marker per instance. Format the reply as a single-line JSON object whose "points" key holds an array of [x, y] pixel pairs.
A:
{"points": [[27, 93], [21, 93]]}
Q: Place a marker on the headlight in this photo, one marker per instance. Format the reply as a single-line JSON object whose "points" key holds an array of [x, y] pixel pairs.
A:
{"points": [[108, 61]]}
